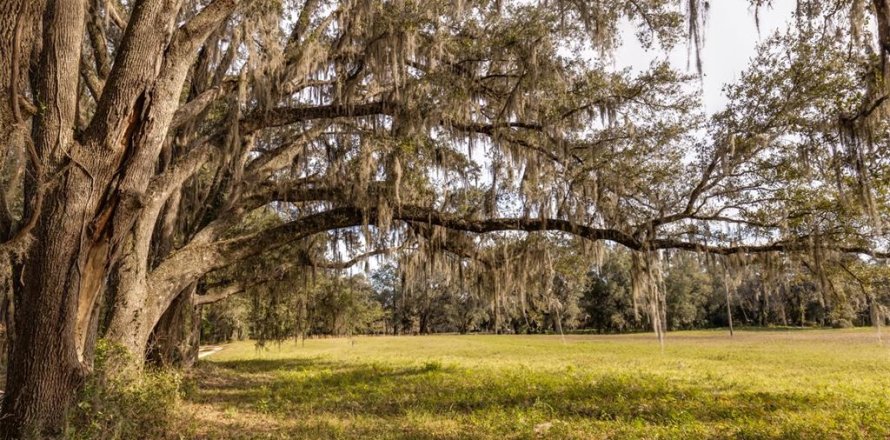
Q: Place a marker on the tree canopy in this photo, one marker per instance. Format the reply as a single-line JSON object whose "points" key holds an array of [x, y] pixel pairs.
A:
{"points": [[161, 154]]}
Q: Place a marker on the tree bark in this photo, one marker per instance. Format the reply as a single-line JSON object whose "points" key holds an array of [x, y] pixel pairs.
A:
{"points": [[19, 41], [174, 341], [96, 195], [133, 314], [45, 367]]}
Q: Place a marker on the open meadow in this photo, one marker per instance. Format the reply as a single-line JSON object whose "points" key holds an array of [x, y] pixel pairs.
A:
{"points": [[802, 384]]}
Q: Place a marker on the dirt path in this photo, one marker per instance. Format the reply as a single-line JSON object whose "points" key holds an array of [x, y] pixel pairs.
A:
{"points": [[207, 350]]}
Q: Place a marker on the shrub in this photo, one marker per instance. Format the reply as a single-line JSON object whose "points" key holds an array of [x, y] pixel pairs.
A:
{"points": [[842, 323], [114, 404]]}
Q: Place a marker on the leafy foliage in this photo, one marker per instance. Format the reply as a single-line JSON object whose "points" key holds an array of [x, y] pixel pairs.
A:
{"points": [[112, 405]]}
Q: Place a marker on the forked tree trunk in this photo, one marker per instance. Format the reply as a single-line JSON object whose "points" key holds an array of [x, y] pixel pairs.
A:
{"points": [[174, 340], [138, 308]]}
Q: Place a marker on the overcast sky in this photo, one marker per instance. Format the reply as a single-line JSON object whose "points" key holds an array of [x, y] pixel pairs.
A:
{"points": [[730, 40]]}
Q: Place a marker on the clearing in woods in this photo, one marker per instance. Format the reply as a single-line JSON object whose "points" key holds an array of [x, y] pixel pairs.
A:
{"points": [[803, 384]]}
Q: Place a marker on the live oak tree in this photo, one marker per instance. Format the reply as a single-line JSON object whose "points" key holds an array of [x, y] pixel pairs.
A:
{"points": [[139, 136]]}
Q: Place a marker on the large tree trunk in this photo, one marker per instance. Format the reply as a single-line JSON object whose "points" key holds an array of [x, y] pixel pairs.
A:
{"points": [[20, 26], [44, 369], [45, 363], [53, 310], [54, 306]]}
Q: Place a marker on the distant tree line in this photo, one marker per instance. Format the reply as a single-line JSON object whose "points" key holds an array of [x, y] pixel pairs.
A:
{"points": [[599, 299]]}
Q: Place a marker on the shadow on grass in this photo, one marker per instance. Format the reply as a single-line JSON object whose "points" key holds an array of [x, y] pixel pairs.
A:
{"points": [[254, 366], [302, 387]]}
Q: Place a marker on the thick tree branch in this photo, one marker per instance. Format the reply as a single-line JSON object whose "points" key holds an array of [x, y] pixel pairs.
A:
{"points": [[190, 110], [281, 157], [799, 244], [281, 116], [193, 261], [189, 37], [135, 67], [94, 84], [162, 185], [218, 294], [98, 42], [224, 289]]}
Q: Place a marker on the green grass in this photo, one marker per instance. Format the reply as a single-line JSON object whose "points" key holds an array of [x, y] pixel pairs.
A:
{"points": [[779, 384]]}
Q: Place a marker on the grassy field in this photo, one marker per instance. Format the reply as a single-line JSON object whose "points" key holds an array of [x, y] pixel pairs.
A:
{"points": [[805, 384]]}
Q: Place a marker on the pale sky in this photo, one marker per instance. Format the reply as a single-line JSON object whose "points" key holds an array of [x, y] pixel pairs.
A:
{"points": [[730, 39]]}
